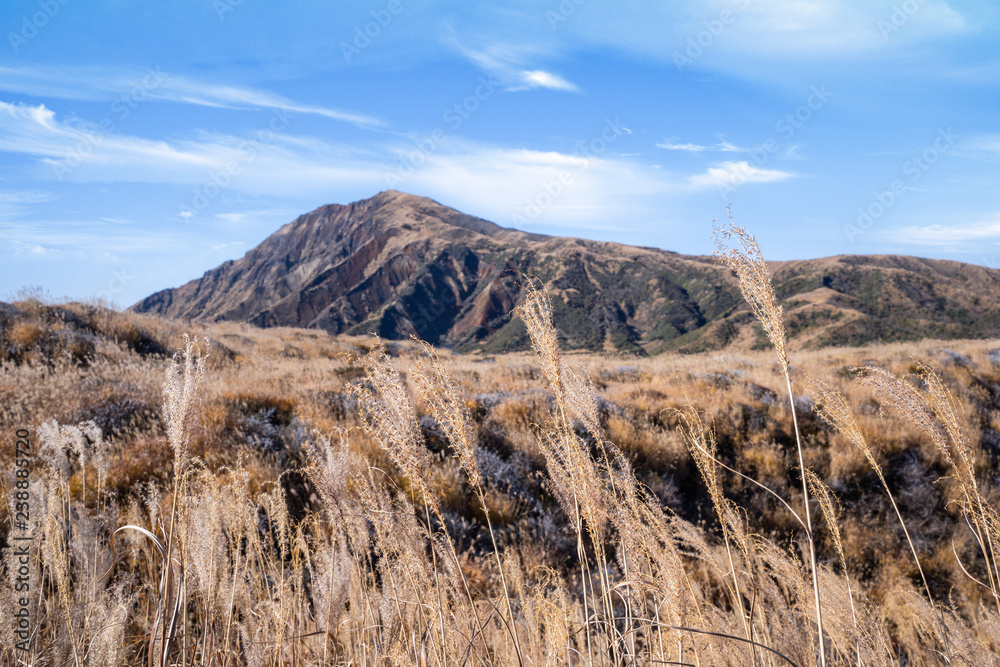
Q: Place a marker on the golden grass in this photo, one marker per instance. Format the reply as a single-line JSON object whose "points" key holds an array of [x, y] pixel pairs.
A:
{"points": [[308, 500]]}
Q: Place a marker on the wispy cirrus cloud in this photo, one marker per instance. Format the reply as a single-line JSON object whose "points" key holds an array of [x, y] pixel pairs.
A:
{"points": [[542, 79], [989, 143], [15, 202], [25, 196], [497, 183], [947, 235], [206, 94], [722, 146], [283, 164], [511, 64], [689, 147], [727, 173], [86, 238], [35, 130], [93, 83], [829, 30], [745, 32], [488, 180]]}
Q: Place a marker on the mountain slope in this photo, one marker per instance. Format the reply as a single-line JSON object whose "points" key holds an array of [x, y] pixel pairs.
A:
{"points": [[398, 264]]}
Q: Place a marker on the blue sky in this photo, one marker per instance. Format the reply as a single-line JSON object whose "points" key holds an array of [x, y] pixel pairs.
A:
{"points": [[144, 143]]}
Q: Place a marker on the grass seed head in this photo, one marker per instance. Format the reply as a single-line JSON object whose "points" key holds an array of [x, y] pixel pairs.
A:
{"points": [[388, 416], [833, 408], [746, 260], [536, 313], [440, 391], [180, 397], [905, 402]]}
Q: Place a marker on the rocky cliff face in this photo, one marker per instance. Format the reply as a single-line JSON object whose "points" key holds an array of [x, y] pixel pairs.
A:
{"points": [[398, 264]]}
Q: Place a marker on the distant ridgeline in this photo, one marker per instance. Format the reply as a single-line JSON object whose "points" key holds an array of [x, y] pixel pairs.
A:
{"points": [[397, 264]]}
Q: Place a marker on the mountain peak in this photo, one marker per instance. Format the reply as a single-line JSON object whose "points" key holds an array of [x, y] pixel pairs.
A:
{"points": [[404, 208], [394, 212], [401, 264]]}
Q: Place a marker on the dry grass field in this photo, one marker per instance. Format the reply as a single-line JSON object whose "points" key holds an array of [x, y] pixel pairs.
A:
{"points": [[226, 495]]}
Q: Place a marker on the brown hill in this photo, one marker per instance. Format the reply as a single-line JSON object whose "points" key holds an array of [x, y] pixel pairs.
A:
{"points": [[398, 264]]}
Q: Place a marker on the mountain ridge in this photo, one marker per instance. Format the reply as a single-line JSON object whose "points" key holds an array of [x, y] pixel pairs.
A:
{"points": [[398, 264]]}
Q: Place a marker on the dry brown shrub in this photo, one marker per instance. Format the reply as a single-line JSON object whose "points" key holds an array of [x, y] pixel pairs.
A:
{"points": [[354, 571]]}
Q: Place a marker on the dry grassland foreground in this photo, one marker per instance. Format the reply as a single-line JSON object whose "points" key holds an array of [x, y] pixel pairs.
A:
{"points": [[225, 495]]}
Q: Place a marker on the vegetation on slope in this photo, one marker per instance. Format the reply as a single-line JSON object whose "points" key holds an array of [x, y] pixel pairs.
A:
{"points": [[340, 501], [399, 265]]}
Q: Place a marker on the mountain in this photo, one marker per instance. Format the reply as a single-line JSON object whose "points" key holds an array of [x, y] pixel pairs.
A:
{"points": [[398, 264]]}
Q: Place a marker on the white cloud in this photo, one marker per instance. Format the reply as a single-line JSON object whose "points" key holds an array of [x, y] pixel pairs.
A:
{"points": [[498, 183], [22, 249], [507, 63], [232, 244], [729, 173], [542, 79], [125, 89], [514, 186], [723, 146], [944, 235], [693, 148], [16, 202], [25, 196], [792, 152], [836, 28], [271, 161], [990, 143], [86, 238], [738, 36], [728, 147], [489, 180], [252, 218], [195, 92]]}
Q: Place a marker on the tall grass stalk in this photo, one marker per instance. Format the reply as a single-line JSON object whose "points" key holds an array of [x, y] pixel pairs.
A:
{"points": [[440, 391], [833, 408], [747, 261]]}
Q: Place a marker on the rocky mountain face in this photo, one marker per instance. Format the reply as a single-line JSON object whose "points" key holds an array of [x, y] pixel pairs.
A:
{"points": [[398, 264]]}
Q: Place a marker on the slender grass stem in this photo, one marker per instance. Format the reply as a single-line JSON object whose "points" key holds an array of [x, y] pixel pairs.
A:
{"points": [[809, 530]]}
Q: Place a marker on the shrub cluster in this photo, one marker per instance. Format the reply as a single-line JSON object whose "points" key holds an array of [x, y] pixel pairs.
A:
{"points": [[378, 513]]}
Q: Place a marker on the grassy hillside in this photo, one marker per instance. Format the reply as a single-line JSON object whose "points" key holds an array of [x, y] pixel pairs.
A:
{"points": [[399, 265], [270, 399]]}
